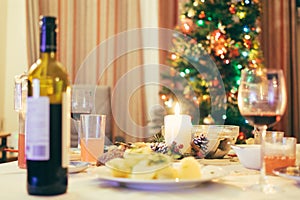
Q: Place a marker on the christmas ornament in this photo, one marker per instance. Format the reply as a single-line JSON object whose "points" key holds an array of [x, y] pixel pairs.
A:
{"points": [[209, 120]]}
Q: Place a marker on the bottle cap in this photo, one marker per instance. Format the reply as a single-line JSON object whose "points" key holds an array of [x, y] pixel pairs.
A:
{"points": [[48, 22], [48, 34]]}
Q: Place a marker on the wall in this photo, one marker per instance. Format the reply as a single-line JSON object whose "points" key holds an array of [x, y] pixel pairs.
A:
{"points": [[3, 19], [13, 58]]}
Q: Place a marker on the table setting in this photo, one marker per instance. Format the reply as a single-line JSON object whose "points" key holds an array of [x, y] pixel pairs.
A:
{"points": [[86, 184], [216, 178], [183, 160], [223, 178]]}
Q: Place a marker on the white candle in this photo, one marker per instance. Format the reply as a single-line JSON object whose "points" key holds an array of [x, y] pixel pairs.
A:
{"points": [[178, 129]]}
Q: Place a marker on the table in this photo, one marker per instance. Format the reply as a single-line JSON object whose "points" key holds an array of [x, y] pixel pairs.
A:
{"points": [[84, 185]]}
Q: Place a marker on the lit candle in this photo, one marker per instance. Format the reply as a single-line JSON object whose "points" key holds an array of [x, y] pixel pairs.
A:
{"points": [[178, 129]]}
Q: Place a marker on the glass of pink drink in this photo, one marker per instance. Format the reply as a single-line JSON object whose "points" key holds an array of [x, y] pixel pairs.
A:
{"points": [[92, 136], [21, 151], [278, 151]]}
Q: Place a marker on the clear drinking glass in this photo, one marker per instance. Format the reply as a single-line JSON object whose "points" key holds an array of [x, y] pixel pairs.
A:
{"points": [[262, 101], [20, 98], [92, 136], [279, 151]]}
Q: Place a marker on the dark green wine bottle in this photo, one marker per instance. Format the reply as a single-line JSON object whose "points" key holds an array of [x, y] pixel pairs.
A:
{"points": [[48, 118]]}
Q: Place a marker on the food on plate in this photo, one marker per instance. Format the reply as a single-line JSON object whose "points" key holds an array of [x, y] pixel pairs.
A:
{"points": [[109, 155], [138, 165], [189, 168], [118, 151], [153, 166], [166, 173], [119, 167]]}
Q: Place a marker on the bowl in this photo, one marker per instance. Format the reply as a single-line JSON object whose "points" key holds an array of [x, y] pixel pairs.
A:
{"points": [[214, 141], [249, 155]]}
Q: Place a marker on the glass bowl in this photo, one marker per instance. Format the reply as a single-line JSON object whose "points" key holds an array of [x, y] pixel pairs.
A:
{"points": [[214, 141]]}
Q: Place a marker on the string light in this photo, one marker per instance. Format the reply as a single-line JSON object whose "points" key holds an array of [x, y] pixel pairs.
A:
{"points": [[232, 9], [247, 1], [245, 53], [182, 17], [173, 56], [202, 15], [182, 74], [191, 13], [200, 22], [233, 90], [241, 15], [246, 29], [186, 27], [247, 37], [217, 36]]}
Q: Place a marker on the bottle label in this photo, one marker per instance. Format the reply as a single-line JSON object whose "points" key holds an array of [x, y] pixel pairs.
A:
{"points": [[38, 129], [66, 129]]}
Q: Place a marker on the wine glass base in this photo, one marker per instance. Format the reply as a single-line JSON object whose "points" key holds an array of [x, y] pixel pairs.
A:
{"points": [[265, 188]]}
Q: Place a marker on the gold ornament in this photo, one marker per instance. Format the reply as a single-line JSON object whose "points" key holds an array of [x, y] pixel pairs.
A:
{"points": [[209, 120]]}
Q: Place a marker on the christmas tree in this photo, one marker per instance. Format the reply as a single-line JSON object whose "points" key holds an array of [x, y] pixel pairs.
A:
{"points": [[228, 32]]}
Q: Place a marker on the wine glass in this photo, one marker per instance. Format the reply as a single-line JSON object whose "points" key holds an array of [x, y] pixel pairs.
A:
{"points": [[262, 101], [81, 103]]}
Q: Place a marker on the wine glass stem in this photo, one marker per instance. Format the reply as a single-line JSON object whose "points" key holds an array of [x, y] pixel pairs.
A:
{"points": [[78, 124], [261, 133]]}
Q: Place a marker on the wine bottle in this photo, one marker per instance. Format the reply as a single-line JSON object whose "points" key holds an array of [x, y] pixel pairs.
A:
{"points": [[48, 118]]}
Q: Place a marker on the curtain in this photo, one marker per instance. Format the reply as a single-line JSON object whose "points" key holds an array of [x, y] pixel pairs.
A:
{"points": [[279, 47], [100, 42], [167, 18]]}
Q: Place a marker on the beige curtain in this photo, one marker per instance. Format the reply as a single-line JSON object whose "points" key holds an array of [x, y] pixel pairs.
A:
{"points": [[96, 41], [167, 18], [279, 46]]}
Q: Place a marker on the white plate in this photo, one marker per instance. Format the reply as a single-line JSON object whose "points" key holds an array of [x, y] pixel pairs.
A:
{"points": [[77, 166], [208, 174], [292, 173]]}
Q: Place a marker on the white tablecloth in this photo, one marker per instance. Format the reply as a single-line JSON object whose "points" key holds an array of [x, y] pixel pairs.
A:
{"points": [[85, 185]]}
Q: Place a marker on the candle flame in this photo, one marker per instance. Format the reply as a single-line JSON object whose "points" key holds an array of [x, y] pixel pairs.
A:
{"points": [[177, 109]]}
